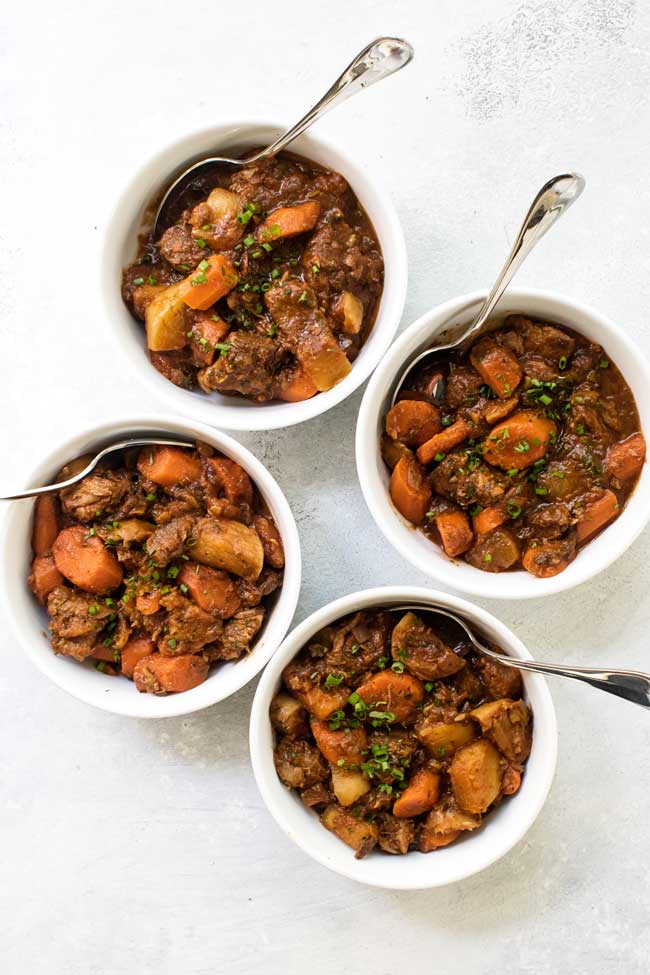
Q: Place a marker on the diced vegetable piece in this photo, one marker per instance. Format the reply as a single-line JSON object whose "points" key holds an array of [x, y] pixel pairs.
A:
{"points": [[167, 320], [232, 479], [475, 774], [325, 363], [392, 694], [230, 545], [349, 785], [169, 466], [442, 740], [45, 576], [507, 724], [223, 203], [495, 551], [356, 833], [100, 652], [596, 515], [497, 366], [148, 603], [289, 221], [349, 311], [548, 557], [170, 675], [443, 442], [135, 650], [271, 540], [498, 409], [207, 333], [409, 490], [132, 531], [488, 519], [211, 280], [86, 561], [143, 296], [625, 459], [444, 824], [322, 702], [211, 589], [519, 441], [455, 532], [346, 745], [288, 715], [297, 386], [422, 651], [46, 524], [421, 794], [511, 781], [413, 422]]}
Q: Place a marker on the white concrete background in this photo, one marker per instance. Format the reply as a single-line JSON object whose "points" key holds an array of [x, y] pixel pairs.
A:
{"points": [[134, 847]]}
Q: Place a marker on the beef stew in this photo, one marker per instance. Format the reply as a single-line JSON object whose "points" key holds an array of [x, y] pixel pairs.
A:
{"points": [[397, 734], [266, 286], [516, 455], [157, 567]]}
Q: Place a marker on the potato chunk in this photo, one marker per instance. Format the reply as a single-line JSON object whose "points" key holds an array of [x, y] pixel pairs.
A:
{"points": [[356, 833], [444, 824], [349, 785], [475, 774], [167, 320], [288, 716], [230, 545], [443, 739], [507, 724], [349, 311]]}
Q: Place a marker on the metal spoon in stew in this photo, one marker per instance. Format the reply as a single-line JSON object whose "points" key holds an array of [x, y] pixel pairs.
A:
{"points": [[554, 198], [112, 448], [379, 59], [632, 685]]}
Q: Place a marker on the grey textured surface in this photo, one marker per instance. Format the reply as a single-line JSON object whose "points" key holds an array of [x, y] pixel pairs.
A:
{"points": [[144, 847]]}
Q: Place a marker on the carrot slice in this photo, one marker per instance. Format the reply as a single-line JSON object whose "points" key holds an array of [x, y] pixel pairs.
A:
{"points": [[546, 558], [409, 490], [211, 280], [396, 694], [297, 387], [86, 561], [519, 441], [46, 524], [270, 539], [45, 576], [211, 589], [167, 675], [421, 794], [443, 442], [347, 745], [168, 466], [596, 515], [488, 519], [135, 650], [413, 422], [625, 459], [148, 603], [289, 221], [497, 366], [455, 532], [233, 480]]}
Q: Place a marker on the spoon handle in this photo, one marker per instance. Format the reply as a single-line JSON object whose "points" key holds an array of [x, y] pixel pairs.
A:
{"points": [[632, 685], [554, 198], [379, 59]]}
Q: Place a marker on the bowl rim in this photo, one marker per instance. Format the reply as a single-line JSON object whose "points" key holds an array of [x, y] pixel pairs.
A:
{"points": [[260, 732], [138, 705], [391, 523], [201, 407]]}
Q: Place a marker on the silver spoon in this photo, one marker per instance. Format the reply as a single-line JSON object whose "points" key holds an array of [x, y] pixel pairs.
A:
{"points": [[112, 448], [632, 685], [554, 198], [379, 59]]}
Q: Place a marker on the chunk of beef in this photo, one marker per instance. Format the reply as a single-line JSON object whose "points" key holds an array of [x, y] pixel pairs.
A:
{"points": [[359, 643], [316, 795], [274, 182], [395, 835], [187, 627], [76, 618], [299, 764], [302, 327], [248, 367], [499, 680], [467, 481], [508, 725], [462, 387], [168, 541], [547, 341], [176, 366], [98, 494], [238, 633], [252, 593], [179, 248], [221, 234], [549, 520], [345, 257]]}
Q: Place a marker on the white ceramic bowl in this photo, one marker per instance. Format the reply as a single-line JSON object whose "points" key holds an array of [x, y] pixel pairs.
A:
{"points": [[374, 476], [120, 249], [115, 694], [502, 828]]}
